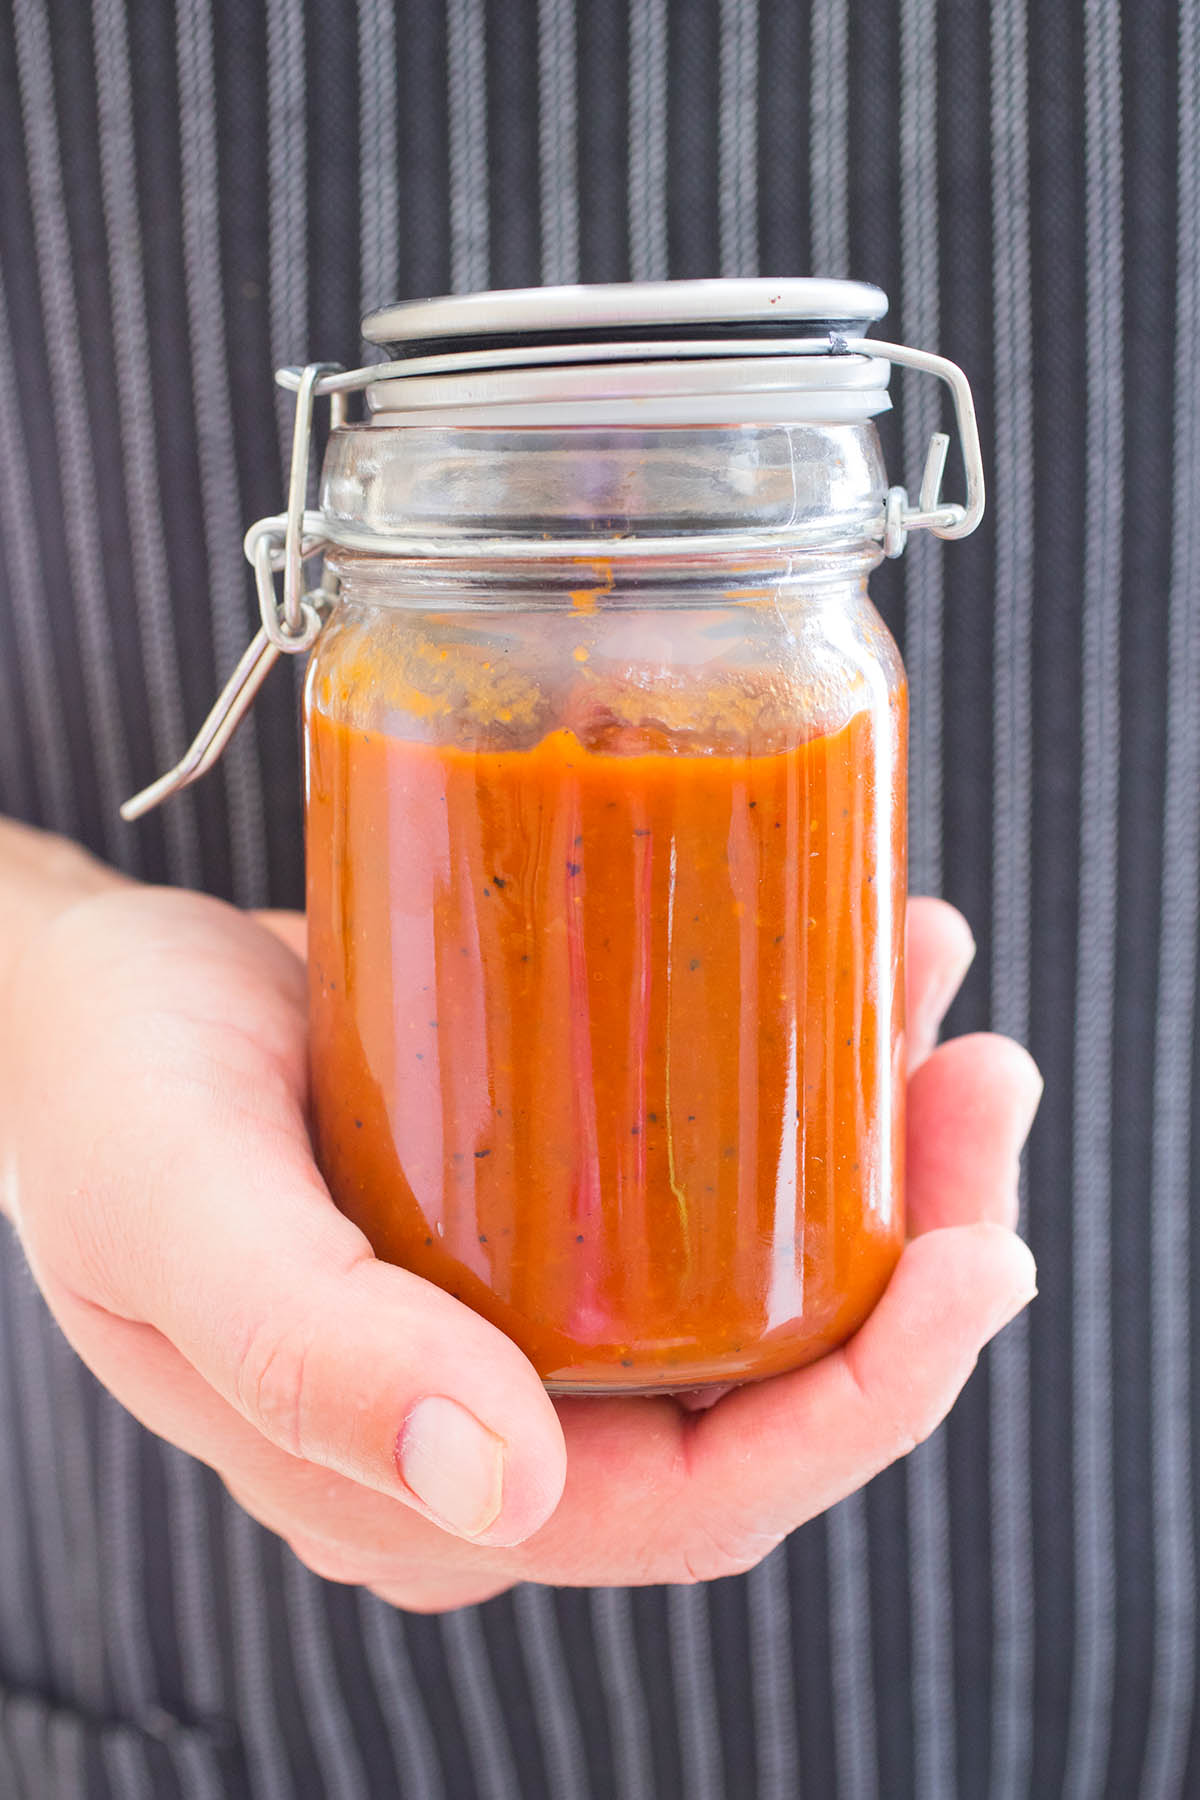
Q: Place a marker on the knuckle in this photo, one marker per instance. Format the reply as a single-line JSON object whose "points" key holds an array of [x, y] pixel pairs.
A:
{"points": [[274, 1382]]}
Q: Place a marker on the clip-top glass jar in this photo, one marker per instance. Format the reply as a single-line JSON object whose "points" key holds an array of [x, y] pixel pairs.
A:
{"points": [[605, 795]]}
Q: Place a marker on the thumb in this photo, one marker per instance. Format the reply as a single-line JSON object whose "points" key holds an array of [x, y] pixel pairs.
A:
{"points": [[179, 1191]]}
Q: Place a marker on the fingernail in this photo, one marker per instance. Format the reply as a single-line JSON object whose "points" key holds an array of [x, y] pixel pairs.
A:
{"points": [[453, 1464], [927, 1021]]}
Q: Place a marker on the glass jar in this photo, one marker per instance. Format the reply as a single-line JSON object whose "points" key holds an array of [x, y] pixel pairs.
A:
{"points": [[605, 789]]}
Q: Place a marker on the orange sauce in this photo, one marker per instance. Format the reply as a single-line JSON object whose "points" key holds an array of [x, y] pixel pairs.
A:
{"points": [[606, 1039]]}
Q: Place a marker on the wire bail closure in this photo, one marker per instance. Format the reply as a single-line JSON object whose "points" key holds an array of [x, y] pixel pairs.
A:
{"points": [[284, 542]]}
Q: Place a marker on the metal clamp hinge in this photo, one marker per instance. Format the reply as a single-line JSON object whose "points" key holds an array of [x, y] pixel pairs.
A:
{"points": [[945, 518]]}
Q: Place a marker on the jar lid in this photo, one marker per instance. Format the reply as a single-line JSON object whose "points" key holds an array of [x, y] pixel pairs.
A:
{"points": [[644, 353], [616, 311]]}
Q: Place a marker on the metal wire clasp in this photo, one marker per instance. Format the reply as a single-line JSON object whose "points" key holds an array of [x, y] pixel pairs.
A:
{"points": [[284, 542], [945, 518]]}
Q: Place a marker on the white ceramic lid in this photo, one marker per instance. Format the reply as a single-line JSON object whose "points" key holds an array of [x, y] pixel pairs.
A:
{"points": [[637, 353], [798, 307]]}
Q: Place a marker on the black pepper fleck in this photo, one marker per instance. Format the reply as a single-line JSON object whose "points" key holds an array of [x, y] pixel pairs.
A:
{"points": [[579, 1237], [694, 964], [358, 1124], [480, 1154]]}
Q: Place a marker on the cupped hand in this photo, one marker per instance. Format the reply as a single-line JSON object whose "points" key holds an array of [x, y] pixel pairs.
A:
{"points": [[159, 1172]]}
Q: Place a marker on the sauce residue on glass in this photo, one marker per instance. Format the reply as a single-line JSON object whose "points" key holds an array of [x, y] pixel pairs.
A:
{"points": [[597, 1035]]}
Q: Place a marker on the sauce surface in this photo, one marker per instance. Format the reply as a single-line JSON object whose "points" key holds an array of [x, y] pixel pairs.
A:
{"points": [[606, 1039]]}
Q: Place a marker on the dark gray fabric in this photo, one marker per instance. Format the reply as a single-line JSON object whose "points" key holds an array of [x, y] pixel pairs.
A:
{"points": [[193, 193]]}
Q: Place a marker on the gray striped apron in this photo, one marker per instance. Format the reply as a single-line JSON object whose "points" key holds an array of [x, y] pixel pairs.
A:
{"points": [[193, 193]]}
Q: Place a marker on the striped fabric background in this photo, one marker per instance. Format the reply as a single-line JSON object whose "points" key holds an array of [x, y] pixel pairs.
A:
{"points": [[193, 193]]}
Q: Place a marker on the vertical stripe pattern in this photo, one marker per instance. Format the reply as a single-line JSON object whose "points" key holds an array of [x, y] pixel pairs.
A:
{"points": [[994, 1619], [648, 257], [338, 1757], [1092, 1695], [849, 1578], [557, 1723], [695, 1696], [469, 254], [414, 1749], [143, 497], [33, 662], [475, 1690], [778, 1762], [624, 1694], [379, 152], [1012, 1572], [64, 352], [929, 1525], [287, 168], [1174, 1679], [829, 120], [214, 430], [557, 141], [738, 138]]}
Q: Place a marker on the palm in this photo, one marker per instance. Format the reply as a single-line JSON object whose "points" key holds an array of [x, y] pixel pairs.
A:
{"points": [[184, 1046]]}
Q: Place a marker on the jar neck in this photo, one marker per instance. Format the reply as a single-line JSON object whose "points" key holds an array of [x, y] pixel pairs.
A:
{"points": [[744, 492], [452, 583]]}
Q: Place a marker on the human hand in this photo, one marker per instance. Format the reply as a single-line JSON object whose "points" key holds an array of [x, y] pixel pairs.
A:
{"points": [[162, 1182]]}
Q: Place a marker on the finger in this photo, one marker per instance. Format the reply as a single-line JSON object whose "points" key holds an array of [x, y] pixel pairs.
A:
{"points": [[299, 1501], [813, 1437], [939, 951], [227, 1242], [340, 1530], [970, 1107]]}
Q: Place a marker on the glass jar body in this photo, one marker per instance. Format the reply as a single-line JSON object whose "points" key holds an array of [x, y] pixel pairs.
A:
{"points": [[606, 874]]}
